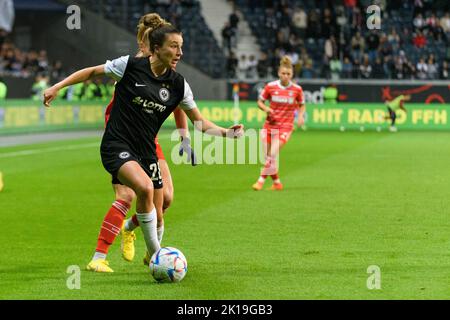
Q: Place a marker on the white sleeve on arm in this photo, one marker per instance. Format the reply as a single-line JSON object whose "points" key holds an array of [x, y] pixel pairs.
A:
{"points": [[188, 102], [116, 68], [263, 94]]}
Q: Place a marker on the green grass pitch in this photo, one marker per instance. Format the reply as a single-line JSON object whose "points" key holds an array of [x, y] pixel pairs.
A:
{"points": [[351, 200]]}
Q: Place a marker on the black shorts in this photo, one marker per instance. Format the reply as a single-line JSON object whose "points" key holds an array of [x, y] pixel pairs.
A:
{"points": [[114, 155], [392, 113]]}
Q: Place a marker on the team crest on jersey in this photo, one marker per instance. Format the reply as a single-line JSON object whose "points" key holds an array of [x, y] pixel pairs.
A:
{"points": [[124, 155], [164, 94]]}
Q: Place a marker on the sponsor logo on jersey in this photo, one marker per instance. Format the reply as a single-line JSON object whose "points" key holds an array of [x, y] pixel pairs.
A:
{"points": [[164, 94], [281, 99], [124, 155], [149, 106]]}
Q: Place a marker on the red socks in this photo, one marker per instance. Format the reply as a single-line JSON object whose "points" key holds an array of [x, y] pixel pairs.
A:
{"points": [[112, 224]]}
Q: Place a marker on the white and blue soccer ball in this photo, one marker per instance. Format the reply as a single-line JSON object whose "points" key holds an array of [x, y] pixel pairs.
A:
{"points": [[168, 264]]}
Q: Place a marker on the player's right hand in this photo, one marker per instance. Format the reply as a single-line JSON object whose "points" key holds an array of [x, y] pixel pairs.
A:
{"points": [[49, 95], [235, 131]]}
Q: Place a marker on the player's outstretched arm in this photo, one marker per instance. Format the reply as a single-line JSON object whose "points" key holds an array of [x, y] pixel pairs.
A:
{"points": [[211, 128], [76, 77]]}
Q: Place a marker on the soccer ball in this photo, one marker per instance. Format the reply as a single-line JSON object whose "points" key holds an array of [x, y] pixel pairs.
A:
{"points": [[168, 264]]}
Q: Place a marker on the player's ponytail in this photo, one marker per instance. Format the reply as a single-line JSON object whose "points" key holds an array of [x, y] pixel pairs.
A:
{"points": [[286, 62], [147, 23], [152, 30]]}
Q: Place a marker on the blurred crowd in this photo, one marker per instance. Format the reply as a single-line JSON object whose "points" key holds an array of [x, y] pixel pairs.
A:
{"points": [[331, 40], [18, 63], [35, 64], [96, 90]]}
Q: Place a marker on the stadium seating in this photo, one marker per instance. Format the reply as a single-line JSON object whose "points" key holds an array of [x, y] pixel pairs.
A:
{"points": [[398, 16], [200, 49]]}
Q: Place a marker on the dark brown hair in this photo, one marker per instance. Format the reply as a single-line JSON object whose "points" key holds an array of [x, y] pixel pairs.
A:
{"points": [[152, 29]]}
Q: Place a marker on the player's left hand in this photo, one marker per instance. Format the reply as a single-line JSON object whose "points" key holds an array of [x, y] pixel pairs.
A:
{"points": [[185, 146]]}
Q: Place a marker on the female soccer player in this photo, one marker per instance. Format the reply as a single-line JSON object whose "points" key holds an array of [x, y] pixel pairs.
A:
{"points": [[147, 91], [124, 195], [285, 98]]}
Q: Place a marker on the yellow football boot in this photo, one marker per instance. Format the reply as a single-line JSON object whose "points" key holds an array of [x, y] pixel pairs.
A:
{"points": [[127, 244], [99, 265], [258, 186]]}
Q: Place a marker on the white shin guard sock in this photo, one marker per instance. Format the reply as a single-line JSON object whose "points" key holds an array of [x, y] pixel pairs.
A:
{"points": [[147, 222]]}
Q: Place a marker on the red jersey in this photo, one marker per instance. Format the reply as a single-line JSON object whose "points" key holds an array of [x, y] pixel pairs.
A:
{"points": [[284, 101]]}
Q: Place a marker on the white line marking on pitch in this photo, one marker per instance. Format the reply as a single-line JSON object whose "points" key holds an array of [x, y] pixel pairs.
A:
{"points": [[52, 149], [45, 150]]}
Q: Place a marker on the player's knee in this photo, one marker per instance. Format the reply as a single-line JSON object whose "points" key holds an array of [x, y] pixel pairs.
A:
{"points": [[145, 190]]}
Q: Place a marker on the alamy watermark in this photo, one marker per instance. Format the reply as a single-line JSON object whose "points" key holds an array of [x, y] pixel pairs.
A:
{"points": [[374, 19], [73, 22], [374, 280], [252, 147], [73, 281]]}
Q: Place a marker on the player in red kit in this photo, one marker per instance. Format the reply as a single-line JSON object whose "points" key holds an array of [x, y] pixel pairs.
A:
{"points": [[285, 98]]}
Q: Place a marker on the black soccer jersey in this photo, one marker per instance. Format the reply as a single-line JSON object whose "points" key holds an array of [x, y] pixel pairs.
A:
{"points": [[142, 102]]}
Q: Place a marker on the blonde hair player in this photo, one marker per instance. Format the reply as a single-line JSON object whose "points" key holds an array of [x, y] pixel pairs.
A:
{"points": [[148, 90], [124, 196], [285, 98]]}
